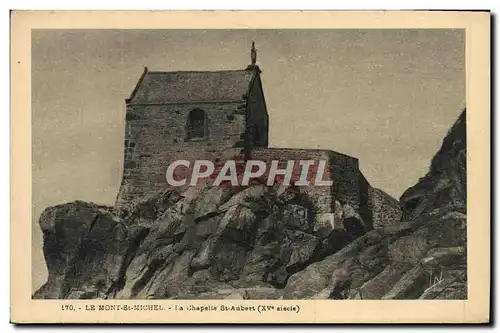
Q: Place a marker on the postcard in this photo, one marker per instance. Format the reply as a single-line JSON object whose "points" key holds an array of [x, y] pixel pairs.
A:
{"points": [[250, 167]]}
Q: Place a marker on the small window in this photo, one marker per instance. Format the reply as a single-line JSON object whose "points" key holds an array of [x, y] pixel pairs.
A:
{"points": [[196, 125]]}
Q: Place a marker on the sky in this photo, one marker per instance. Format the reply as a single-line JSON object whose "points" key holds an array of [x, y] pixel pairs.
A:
{"points": [[387, 97]]}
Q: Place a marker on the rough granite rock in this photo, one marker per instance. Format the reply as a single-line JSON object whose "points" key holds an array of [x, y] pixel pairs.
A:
{"points": [[84, 245], [260, 242], [180, 244]]}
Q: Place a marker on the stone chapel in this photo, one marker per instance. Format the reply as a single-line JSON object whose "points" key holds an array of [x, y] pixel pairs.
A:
{"points": [[218, 115]]}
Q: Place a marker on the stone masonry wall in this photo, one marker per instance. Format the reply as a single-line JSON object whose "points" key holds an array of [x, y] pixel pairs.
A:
{"points": [[156, 135], [321, 196], [345, 176], [342, 170], [385, 209]]}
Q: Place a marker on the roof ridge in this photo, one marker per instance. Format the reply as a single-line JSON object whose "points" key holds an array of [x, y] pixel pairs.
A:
{"points": [[181, 86]]}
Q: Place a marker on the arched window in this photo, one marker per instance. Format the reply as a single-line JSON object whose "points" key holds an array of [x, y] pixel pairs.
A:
{"points": [[196, 125]]}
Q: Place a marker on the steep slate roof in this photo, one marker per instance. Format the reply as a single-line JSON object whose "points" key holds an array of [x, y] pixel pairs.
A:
{"points": [[191, 86]]}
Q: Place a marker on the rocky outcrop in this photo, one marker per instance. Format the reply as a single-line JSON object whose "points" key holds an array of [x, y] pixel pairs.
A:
{"points": [[423, 256], [204, 242], [405, 264], [84, 247], [262, 242], [443, 189]]}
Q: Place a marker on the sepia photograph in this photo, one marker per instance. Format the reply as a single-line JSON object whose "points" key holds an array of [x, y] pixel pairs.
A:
{"points": [[249, 164], [108, 105]]}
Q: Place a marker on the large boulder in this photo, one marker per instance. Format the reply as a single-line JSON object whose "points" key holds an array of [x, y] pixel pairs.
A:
{"points": [[84, 246]]}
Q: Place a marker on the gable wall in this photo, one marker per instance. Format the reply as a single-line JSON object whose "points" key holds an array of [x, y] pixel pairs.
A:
{"points": [[257, 112], [155, 135]]}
